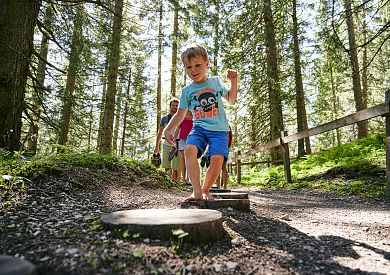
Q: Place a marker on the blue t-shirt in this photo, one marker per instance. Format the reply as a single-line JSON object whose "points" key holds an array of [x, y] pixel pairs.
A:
{"points": [[204, 100]]}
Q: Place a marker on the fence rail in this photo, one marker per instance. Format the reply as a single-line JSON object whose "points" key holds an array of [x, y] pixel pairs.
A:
{"points": [[369, 113]]}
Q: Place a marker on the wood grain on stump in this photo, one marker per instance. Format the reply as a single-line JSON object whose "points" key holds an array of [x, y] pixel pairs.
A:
{"points": [[238, 204], [232, 195], [15, 266], [203, 225]]}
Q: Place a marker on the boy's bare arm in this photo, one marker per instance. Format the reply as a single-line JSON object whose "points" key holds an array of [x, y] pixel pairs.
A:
{"points": [[172, 125], [231, 96]]}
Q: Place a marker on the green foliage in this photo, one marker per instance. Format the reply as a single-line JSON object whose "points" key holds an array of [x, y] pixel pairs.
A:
{"points": [[356, 168], [181, 237], [138, 253], [16, 170]]}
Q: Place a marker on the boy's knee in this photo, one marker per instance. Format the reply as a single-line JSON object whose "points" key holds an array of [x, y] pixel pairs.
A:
{"points": [[190, 149]]}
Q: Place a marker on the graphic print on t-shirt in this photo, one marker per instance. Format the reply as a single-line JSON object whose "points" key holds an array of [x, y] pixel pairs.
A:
{"points": [[207, 103]]}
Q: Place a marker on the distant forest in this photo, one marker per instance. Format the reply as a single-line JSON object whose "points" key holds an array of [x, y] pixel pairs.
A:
{"points": [[96, 76]]}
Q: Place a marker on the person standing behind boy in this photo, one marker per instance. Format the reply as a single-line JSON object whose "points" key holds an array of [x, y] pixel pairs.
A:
{"points": [[185, 128], [203, 97], [223, 178], [170, 166]]}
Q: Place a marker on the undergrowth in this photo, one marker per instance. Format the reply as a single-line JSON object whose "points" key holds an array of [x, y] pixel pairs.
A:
{"points": [[16, 170], [356, 168]]}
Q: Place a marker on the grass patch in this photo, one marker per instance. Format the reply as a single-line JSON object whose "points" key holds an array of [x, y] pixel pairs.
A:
{"points": [[17, 171], [356, 168]]}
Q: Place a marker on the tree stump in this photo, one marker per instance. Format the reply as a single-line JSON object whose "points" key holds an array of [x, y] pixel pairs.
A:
{"points": [[238, 204], [216, 190], [15, 266], [203, 225], [232, 195]]}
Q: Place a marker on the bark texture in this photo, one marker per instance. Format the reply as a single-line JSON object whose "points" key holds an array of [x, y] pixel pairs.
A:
{"points": [[109, 110], [274, 90], [38, 93], [174, 47], [300, 95], [74, 64], [353, 55], [17, 21]]}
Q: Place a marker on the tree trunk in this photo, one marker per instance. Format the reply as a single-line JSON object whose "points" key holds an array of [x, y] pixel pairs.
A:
{"points": [[160, 36], [117, 120], [334, 104], [108, 117], [174, 47], [74, 64], [38, 93], [216, 38], [125, 115], [274, 90], [357, 91], [365, 60], [300, 95], [102, 107], [90, 129], [17, 21]]}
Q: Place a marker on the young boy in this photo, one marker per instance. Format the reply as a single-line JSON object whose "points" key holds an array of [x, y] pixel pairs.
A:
{"points": [[203, 97]]}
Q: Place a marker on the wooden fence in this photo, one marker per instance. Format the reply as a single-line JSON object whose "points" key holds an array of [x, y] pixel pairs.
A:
{"points": [[378, 110]]}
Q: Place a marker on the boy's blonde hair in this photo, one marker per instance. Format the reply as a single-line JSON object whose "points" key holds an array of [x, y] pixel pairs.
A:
{"points": [[191, 50]]}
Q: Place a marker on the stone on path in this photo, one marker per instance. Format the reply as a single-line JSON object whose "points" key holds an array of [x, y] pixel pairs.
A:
{"points": [[203, 225], [15, 266], [232, 195], [238, 204]]}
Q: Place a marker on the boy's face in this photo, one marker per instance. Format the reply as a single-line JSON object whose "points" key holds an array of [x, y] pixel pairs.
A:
{"points": [[196, 68]]}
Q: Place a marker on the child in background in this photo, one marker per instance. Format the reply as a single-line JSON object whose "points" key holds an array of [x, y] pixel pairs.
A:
{"points": [[185, 128], [203, 97]]}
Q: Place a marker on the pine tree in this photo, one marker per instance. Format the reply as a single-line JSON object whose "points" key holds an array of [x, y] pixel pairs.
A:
{"points": [[109, 108], [17, 21]]}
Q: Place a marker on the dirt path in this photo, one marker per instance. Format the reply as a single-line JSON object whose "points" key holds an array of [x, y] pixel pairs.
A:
{"points": [[56, 226], [355, 233]]}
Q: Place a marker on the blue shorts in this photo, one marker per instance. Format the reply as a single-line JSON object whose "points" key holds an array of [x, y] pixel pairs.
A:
{"points": [[217, 141]]}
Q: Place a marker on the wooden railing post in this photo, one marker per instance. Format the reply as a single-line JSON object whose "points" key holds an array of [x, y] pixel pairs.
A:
{"points": [[387, 118], [286, 159], [238, 168]]}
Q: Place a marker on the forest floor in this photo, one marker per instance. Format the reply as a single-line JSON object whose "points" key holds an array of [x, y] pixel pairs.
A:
{"points": [[55, 224]]}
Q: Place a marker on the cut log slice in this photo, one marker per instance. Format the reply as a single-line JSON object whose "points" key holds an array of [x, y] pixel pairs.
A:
{"points": [[216, 190], [15, 266], [203, 225], [238, 204], [232, 195]]}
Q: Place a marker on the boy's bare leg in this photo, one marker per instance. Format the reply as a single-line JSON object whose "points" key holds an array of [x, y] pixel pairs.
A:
{"points": [[212, 173], [193, 170]]}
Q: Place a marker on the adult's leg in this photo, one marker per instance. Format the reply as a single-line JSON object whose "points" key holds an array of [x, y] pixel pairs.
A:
{"points": [[175, 175], [182, 167], [175, 166], [192, 164], [218, 181], [224, 176]]}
